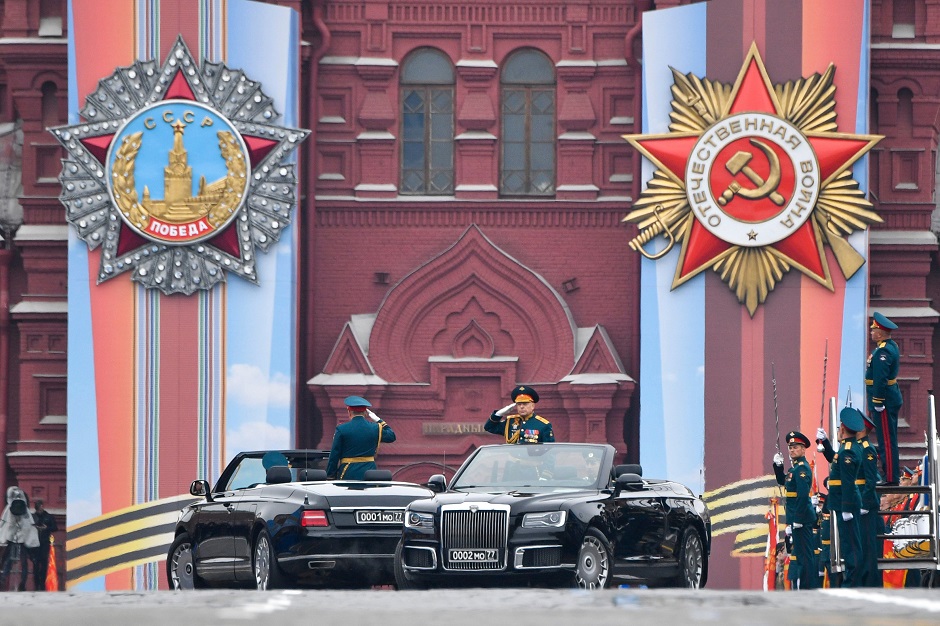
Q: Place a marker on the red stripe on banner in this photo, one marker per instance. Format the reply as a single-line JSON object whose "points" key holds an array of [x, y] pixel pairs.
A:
{"points": [[179, 392], [179, 17]]}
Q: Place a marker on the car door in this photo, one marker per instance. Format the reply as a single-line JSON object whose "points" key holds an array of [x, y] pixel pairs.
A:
{"points": [[213, 537], [639, 523]]}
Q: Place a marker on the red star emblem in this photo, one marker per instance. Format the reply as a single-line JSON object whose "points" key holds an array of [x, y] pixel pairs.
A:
{"points": [[758, 173]]}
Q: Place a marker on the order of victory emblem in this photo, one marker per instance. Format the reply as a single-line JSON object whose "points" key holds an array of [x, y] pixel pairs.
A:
{"points": [[178, 173], [752, 181]]}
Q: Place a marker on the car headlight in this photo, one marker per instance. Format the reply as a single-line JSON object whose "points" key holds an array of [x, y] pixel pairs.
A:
{"points": [[414, 519], [555, 519]]}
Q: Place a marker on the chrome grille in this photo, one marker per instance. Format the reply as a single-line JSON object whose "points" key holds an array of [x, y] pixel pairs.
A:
{"points": [[476, 527]]}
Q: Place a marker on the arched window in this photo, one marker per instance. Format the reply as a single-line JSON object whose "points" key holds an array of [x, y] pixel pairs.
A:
{"points": [[50, 105], [528, 125], [427, 124], [905, 112]]}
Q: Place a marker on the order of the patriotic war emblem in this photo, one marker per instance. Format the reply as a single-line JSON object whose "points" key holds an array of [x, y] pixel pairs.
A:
{"points": [[752, 180], [178, 173]]}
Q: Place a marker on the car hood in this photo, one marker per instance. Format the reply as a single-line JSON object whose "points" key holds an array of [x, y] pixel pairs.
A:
{"points": [[514, 499]]}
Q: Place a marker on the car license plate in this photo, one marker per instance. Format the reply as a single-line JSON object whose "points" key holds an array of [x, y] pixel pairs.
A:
{"points": [[473, 556], [374, 516]]}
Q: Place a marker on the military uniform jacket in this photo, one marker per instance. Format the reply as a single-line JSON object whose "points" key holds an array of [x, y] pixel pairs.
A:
{"points": [[536, 429], [844, 471], [797, 485], [354, 446], [870, 499], [881, 375]]}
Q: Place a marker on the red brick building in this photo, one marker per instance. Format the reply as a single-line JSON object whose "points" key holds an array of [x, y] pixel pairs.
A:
{"points": [[460, 221]]}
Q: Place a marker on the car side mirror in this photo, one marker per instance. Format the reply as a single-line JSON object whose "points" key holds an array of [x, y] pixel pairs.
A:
{"points": [[437, 483], [628, 482], [200, 488]]}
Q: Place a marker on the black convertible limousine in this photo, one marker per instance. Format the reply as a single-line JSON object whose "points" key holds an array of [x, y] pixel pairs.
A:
{"points": [[555, 514], [273, 520]]}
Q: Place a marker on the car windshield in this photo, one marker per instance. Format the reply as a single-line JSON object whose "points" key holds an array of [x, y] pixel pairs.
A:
{"points": [[542, 466], [252, 471]]}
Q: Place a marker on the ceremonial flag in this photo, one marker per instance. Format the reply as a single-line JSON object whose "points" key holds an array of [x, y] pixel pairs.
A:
{"points": [[52, 573], [770, 563]]}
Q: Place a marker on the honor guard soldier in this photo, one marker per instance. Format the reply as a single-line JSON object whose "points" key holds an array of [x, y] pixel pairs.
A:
{"points": [[884, 396], [356, 442], [845, 499], [870, 523], [518, 422], [825, 539], [800, 513]]}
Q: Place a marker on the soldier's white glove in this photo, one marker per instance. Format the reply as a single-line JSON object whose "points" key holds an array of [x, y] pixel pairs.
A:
{"points": [[506, 409], [375, 418], [778, 459], [846, 517], [879, 407], [796, 525], [788, 531], [815, 500], [864, 511], [821, 434]]}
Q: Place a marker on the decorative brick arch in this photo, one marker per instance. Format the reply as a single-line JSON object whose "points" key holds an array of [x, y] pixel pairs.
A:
{"points": [[448, 343], [473, 300]]}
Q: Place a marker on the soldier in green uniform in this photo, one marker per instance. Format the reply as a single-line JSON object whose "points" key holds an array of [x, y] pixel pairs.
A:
{"points": [[801, 516], [870, 523], [355, 442], [884, 396], [845, 500], [518, 422]]}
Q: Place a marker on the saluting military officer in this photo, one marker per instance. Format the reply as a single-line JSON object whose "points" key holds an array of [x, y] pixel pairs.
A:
{"points": [[518, 422], [884, 395], [845, 500], [356, 442], [801, 516]]}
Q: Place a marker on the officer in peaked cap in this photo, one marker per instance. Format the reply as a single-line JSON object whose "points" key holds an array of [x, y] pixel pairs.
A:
{"points": [[800, 513], [870, 523], [845, 499], [518, 422], [356, 442], [884, 395]]}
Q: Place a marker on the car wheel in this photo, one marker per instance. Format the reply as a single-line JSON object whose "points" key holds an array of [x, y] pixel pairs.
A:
{"points": [[691, 560], [180, 567], [402, 582], [593, 568], [267, 573]]}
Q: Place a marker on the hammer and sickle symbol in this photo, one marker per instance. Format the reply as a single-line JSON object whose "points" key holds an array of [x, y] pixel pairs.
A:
{"points": [[739, 164]]}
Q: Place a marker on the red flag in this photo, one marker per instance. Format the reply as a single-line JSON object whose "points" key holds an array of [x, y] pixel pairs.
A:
{"points": [[770, 555], [52, 573]]}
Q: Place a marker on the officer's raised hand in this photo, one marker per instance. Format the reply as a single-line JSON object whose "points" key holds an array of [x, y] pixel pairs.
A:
{"points": [[778, 459]]}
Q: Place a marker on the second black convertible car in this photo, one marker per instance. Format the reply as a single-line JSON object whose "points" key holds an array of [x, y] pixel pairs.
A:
{"points": [[273, 520], [553, 514]]}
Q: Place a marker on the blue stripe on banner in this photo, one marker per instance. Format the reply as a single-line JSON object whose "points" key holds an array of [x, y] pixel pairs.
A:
{"points": [[855, 307], [672, 323], [267, 50]]}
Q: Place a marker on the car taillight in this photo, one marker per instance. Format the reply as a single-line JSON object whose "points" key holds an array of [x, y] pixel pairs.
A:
{"points": [[314, 518]]}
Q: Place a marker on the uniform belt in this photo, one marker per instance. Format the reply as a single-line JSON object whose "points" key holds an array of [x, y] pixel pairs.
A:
{"points": [[835, 483], [890, 381], [367, 459], [859, 481], [826, 542], [790, 494]]}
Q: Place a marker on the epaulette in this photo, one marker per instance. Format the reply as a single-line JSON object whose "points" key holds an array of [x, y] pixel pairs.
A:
{"points": [[542, 419], [864, 444], [848, 445], [882, 344]]}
